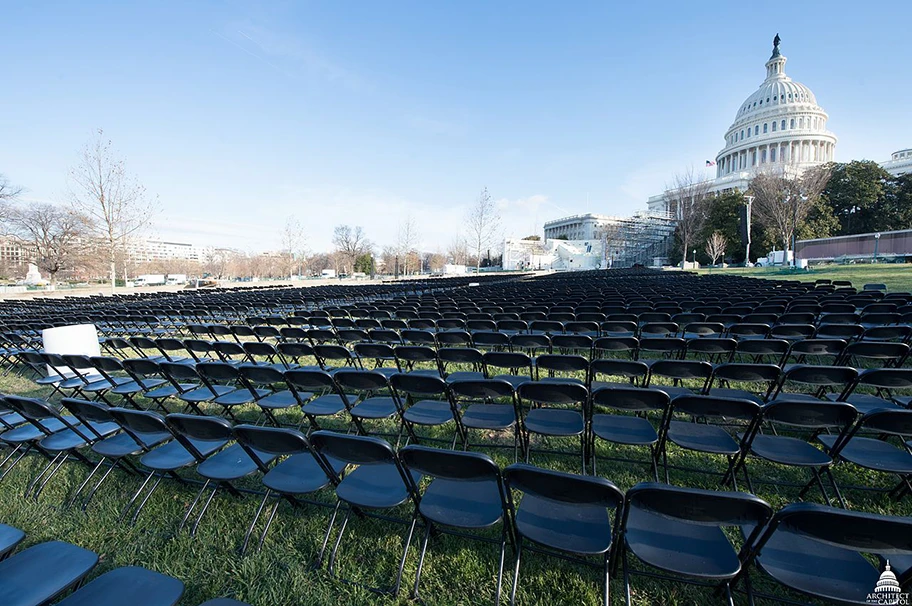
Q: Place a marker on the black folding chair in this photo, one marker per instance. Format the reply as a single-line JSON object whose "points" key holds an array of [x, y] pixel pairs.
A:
{"points": [[556, 410], [487, 405], [708, 428], [466, 493], [298, 473], [819, 551], [127, 585], [42, 572], [812, 417], [626, 429], [425, 401], [564, 515], [681, 531], [379, 482]]}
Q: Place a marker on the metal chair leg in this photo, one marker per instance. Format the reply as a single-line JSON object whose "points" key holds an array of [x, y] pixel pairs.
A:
{"points": [[253, 522]]}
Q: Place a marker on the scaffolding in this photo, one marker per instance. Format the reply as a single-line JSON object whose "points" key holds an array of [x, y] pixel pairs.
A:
{"points": [[644, 238]]}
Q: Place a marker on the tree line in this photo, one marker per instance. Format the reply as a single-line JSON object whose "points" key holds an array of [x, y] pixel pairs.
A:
{"points": [[835, 199], [95, 232]]}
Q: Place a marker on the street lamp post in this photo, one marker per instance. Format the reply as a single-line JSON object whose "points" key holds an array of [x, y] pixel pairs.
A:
{"points": [[695, 258], [876, 245], [747, 231]]}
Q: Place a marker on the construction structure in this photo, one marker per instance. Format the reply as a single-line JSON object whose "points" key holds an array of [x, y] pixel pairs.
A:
{"points": [[642, 239]]}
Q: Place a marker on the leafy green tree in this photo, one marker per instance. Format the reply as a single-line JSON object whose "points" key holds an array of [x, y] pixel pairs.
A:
{"points": [[856, 193], [723, 215], [897, 203], [820, 222], [365, 264]]}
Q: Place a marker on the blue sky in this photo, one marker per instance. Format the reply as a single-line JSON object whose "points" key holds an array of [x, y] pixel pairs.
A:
{"points": [[239, 114]]}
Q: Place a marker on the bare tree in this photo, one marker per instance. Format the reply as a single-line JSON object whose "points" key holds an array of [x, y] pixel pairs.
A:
{"points": [[782, 201], [52, 236], [715, 246], [294, 246], [350, 243], [686, 201], [483, 223], [407, 241], [8, 193], [458, 250], [114, 202]]}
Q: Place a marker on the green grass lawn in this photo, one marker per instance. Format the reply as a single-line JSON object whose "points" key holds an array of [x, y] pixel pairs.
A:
{"points": [[456, 571], [897, 277]]}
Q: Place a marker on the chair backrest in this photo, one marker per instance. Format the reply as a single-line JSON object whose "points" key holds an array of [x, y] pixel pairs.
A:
{"points": [[361, 380], [309, 379], [449, 464], [631, 369], [544, 392], [84, 410], [810, 415], [220, 372], [179, 372], [563, 487], [699, 506], [141, 422], [261, 375], [200, 427], [855, 530], [681, 369], [482, 389], [356, 450], [716, 407], [633, 399], [508, 359], [418, 385], [272, 440]]}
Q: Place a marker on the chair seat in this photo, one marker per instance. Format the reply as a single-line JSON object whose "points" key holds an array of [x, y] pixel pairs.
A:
{"points": [[624, 429], [832, 573], [872, 454], [298, 474], [583, 529], [864, 403], [102, 384], [123, 444], [788, 451], [231, 464], [462, 504], [741, 394], [674, 391], [29, 433], [10, 537], [377, 486], [465, 375], [514, 380], [135, 387], [703, 438], [489, 416], [278, 400], [204, 394], [128, 585], [67, 439], [327, 405], [42, 572], [174, 455], [691, 550], [239, 397], [11, 418], [167, 391], [554, 422], [374, 408], [429, 412]]}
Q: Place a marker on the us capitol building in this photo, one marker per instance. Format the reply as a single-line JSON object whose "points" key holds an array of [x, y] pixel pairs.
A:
{"points": [[779, 127]]}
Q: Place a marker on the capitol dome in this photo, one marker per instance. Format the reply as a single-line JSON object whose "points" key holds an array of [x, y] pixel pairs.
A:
{"points": [[779, 124]]}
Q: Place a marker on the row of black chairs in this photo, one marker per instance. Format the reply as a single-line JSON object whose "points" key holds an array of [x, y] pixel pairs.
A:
{"points": [[678, 531]]}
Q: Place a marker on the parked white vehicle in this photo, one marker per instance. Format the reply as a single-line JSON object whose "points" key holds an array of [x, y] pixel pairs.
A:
{"points": [[149, 280], [174, 279]]}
